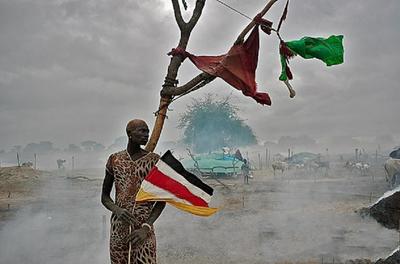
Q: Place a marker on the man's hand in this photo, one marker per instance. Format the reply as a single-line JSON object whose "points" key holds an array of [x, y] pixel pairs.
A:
{"points": [[124, 215], [138, 236]]}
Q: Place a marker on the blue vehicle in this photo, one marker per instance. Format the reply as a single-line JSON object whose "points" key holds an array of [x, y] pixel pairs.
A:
{"points": [[213, 164]]}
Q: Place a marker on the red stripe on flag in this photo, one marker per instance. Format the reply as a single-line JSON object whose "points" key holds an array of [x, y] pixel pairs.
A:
{"points": [[164, 182]]}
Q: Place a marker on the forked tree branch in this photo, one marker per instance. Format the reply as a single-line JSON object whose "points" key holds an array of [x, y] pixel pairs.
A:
{"points": [[178, 90], [172, 72], [196, 13], [178, 15], [169, 87]]}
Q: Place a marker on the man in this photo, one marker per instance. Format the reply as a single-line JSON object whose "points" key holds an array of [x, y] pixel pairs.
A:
{"points": [[245, 171], [132, 238]]}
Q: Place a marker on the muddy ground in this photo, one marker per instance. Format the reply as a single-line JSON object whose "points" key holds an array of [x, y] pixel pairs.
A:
{"points": [[298, 216]]}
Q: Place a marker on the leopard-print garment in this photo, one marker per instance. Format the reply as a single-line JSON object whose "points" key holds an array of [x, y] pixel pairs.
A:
{"points": [[128, 176]]}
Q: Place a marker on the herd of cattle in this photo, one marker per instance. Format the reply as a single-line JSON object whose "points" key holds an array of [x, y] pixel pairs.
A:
{"points": [[316, 164], [312, 165]]}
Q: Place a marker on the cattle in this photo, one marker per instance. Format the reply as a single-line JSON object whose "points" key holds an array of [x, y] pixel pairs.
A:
{"points": [[316, 164], [392, 168], [28, 164], [350, 165], [362, 167], [279, 165]]}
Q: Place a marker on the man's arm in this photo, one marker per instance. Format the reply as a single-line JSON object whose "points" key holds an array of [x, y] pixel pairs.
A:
{"points": [[106, 191], [109, 203], [155, 213], [139, 236]]}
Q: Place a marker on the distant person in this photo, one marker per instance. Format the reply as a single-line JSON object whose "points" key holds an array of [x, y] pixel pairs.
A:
{"points": [[238, 155], [60, 164], [245, 171], [132, 231]]}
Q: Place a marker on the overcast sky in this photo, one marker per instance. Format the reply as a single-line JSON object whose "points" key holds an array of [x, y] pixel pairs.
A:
{"points": [[77, 70]]}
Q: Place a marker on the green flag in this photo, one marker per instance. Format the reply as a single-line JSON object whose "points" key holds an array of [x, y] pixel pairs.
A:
{"points": [[329, 50]]}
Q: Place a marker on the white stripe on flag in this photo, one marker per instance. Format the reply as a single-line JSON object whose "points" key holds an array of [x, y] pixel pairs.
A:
{"points": [[168, 171], [160, 193]]}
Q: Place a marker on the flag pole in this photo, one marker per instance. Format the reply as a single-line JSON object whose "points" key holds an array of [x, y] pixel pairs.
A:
{"points": [[130, 245]]}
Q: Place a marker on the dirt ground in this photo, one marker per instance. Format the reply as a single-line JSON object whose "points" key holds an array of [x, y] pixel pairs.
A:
{"points": [[294, 217]]}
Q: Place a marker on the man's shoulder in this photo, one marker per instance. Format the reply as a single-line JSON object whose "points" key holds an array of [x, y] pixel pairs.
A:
{"points": [[117, 154], [153, 155]]}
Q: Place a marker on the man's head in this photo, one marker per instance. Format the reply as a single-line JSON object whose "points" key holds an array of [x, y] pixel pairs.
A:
{"points": [[137, 131]]}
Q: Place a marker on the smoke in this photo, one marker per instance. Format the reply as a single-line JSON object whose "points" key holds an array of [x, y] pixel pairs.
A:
{"points": [[280, 220], [63, 225], [296, 216]]}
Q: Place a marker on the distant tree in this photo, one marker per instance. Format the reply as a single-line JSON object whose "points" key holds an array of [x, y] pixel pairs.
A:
{"points": [[72, 148], [91, 145], [119, 143], [98, 147], [42, 147], [88, 145], [211, 123]]}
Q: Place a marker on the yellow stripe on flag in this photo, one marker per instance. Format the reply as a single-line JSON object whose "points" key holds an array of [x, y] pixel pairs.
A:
{"points": [[144, 196]]}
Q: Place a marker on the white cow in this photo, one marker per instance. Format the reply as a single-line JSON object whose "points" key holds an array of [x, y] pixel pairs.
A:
{"points": [[280, 165], [363, 167]]}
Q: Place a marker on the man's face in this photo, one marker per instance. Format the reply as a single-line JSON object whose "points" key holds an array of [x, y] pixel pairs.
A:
{"points": [[139, 134]]}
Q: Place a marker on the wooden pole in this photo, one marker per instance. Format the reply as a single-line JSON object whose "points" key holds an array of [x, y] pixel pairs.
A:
{"points": [[269, 157], [19, 165], [130, 245], [156, 133], [34, 157], [104, 221], [8, 204]]}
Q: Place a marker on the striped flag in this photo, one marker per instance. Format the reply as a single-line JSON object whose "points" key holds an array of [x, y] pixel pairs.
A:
{"points": [[169, 181]]}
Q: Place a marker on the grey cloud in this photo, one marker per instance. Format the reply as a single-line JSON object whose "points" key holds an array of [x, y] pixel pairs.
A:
{"points": [[89, 66]]}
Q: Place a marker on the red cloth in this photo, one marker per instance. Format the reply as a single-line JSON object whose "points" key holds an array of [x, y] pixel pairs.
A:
{"points": [[237, 67]]}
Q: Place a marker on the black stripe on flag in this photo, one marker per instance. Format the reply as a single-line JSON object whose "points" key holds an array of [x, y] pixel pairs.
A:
{"points": [[178, 167]]}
